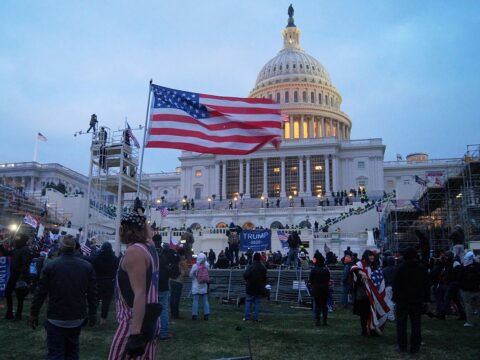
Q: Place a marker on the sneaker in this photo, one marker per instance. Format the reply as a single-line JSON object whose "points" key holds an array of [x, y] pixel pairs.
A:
{"points": [[467, 324]]}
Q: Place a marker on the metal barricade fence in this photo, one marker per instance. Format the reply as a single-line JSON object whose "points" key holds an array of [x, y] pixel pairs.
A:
{"points": [[287, 285]]}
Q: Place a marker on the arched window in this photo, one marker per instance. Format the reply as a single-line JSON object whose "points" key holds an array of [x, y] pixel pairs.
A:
{"points": [[304, 96], [278, 97], [326, 99], [276, 225], [295, 96], [286, 97], [312, 97], [320, 99]]}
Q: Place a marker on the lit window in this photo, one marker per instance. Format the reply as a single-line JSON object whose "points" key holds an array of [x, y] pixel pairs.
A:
{"points": [[293, 168], [318, 167], [361, 165], [296, 129], [287, 130], [276, 170], [198, 173], [305, 129]]}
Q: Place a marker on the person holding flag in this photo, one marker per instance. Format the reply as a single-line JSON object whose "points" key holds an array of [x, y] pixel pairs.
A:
{"points": [[369, 295]]}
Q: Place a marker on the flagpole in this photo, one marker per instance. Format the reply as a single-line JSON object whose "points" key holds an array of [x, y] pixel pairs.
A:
{"points": [[144, 137], [35, 149]]}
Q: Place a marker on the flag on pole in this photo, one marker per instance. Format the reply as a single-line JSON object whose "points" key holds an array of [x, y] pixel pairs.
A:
{"points": [[163, 212], [283, 237], [211, 124], [85, 248], [132, 136], [420, 181], [41, 137], [30, 220]]}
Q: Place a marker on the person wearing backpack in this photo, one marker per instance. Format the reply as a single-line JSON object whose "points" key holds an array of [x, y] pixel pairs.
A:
{"points": [[200, 279]]}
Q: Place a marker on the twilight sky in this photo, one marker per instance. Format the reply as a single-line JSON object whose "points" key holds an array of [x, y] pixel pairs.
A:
{"points": [[408, 71]]}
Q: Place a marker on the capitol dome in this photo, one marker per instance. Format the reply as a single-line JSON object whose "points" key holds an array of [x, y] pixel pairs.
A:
{"points": [[291, 62], [302, 85]]}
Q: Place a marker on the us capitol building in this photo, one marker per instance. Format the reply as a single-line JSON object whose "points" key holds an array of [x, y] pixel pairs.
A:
{"points": [[317, 159]]}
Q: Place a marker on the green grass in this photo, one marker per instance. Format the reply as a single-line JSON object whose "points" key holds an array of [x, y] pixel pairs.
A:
{"points": [[283, 333]]}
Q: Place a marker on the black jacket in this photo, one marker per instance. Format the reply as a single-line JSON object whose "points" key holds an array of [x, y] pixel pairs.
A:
{"points": [[410, 283], [256, 277], [105, 265], [470, 277], [70, 284], [21, 259], [319, 279]]}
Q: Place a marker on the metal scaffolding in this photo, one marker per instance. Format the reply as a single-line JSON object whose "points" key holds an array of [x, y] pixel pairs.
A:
{"points": [[454, 201], [112, 183]]}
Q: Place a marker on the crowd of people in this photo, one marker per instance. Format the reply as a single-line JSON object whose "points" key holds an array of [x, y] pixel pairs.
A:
{"points": [[150, 275]]}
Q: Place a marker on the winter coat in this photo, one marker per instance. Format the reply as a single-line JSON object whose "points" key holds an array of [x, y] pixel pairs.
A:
{"points": [[411, 283], [256, 278], [319, 280], [198, 288]]}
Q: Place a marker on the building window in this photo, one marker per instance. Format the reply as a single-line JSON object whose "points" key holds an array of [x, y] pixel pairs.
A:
{"points": [[390, 184], [361, 165], [304, 96], [286, 66], [294, 66], [320, 99], [273, 178], [296, 129], [270, 96], [326, 100], [301, 66], [286, 97], [198, 173], [406, 182], [278, 97], [286, 125], [305, 129], [280, 67], [295, 96], [165, 192], [312, 97]]}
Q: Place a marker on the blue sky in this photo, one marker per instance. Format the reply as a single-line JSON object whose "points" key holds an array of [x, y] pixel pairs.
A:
{"points": [[408, 71]]}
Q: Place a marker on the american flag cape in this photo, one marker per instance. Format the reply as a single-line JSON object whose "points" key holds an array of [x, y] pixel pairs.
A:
{"points": [[375, 289], [211, 124]]}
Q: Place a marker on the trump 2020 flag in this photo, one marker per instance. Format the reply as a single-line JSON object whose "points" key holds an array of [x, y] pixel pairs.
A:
{"points": [[211, 124]]}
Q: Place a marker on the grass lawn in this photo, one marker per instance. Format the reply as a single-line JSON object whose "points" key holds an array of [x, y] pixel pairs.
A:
{"points": [[283, 333]]}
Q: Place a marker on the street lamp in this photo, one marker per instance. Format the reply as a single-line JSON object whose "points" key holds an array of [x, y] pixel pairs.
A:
{"points": [[290, 197], [319, 198], [209, 202], [235, 202], [262, 198]]}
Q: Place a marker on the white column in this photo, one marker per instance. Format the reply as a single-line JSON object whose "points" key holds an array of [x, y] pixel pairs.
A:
{"points": [[291, 126], [309, 177], [310, 128], [282, 176], [216, 188], [302, 120], [224, 179], [240, 180], [265, 173], [301, 188], [327, 177], [247, 187], [335, 186]]}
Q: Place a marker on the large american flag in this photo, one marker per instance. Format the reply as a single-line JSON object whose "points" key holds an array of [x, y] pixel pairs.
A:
{"points": [[212, 124], [30, 220], [375, 289]]}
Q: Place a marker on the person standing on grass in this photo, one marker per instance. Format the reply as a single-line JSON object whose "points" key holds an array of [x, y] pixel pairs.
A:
{"points": [[200, 279], [369, 295], [69, 283], [137, 292], [105, 265], [256, 279], [176, 284], [19, 276], [470, 285], [319, 280], [411, 292]]}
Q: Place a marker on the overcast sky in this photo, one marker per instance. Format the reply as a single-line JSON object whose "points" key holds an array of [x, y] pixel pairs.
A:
{"points": [[408, 71]]}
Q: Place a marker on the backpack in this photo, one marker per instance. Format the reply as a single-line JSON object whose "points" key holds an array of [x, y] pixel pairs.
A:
{"points": [[202, 274]]}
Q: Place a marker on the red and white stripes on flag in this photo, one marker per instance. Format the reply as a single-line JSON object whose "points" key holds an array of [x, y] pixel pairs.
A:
{"points": [[164, 212], [212, 124], [30, 220], [379, 309], [41, 137]]}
